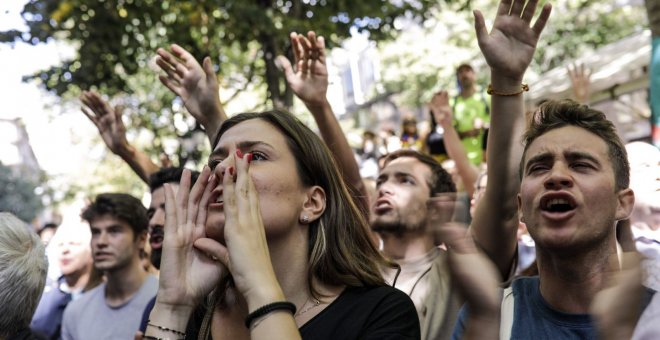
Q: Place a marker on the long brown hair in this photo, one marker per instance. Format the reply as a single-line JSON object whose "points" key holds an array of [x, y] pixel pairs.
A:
{"points": [[340, 250]]}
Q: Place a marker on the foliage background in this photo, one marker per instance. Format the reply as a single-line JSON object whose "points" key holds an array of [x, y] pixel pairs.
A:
{"points": [[419, 43]]}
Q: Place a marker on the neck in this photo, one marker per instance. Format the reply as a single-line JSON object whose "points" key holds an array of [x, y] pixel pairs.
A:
{"points": [[406, 246], [468, 91], [569, 283], [78, 279], [290, 263], [122, 283]]}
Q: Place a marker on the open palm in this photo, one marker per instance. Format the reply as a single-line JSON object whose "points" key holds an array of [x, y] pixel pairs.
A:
{"points": [[510, 45], [106, 119], [187, 274], [309, 81], [197, 85]]}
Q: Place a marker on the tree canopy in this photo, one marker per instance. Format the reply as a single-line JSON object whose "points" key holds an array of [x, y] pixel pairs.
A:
{"points": [[116, 39], [17, 194], [116, 42]]}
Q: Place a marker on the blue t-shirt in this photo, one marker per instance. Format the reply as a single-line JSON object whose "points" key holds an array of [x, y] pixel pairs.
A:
{"points": [[47, 319], [534, 319]]}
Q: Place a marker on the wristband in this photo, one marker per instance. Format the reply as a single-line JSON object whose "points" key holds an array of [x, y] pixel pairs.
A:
{"points": [[269, 308], [523, 88]]}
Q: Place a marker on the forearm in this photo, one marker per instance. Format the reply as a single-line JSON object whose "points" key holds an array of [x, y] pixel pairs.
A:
{"points": [[275, 325], [167, 316], [140, 162], [495, 222], [212, 125], [278, 324], [336, 141], [456, 151], [483, 327]]}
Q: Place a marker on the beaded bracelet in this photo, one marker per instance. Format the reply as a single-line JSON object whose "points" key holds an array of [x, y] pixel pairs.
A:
{"points": [[523, 88], [271, 307], [165, 329], [150, 337]]}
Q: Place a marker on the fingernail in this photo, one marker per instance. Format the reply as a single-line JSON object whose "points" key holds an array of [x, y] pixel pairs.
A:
{"points": [[249, 157], [211, 178], [239, 153]]}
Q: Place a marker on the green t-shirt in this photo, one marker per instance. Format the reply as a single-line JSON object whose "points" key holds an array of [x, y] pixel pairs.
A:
{"points": [[467, 113]]}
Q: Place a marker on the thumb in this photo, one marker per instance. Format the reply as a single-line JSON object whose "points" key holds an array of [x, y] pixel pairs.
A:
{"points": [[213, 249], [208, 68], [285, 65]]}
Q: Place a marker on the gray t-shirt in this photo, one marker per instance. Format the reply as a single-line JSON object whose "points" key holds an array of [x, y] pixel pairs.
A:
{"points": [[89, 317]]}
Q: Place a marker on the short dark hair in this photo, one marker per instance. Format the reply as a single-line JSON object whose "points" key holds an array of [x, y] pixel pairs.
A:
{"points": [[440, 181], [554, 114], [49, 225], [464, 66], [123, 207], [168, 175]]}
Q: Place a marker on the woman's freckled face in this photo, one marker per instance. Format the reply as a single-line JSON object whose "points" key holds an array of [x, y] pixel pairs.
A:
{"points": [[273, 171]]}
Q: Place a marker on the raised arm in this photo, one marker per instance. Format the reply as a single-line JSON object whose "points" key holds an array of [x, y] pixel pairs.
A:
{"points": [[508, 49], [196, 85], [616, 317], [580, 82], [309, 81], [477, 280], [443, 115], [113, 132]]}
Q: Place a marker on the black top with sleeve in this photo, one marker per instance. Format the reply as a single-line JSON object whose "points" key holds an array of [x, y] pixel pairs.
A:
{"points": [[380, 312]]}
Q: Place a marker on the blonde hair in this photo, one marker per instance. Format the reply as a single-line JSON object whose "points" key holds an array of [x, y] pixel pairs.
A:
{"points": [[23, 268]]}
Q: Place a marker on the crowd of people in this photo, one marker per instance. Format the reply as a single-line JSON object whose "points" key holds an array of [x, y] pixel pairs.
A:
{"points": [[499, 222]]}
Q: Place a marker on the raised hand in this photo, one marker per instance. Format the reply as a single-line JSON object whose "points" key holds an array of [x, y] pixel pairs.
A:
{"points": [[187, 274], [113, 132], [309, 81], [510, 45], [107, 120], [477, 280], [580, 82], [615, 318], [196, 85], [441, 109]]}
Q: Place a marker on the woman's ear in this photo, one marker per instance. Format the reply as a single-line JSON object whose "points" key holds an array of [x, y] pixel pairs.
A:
{"points": [[313, 206]]}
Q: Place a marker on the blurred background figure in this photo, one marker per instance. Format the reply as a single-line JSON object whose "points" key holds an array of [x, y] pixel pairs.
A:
{"points": [[368, 155], [471, 113], [47, 232], [644, 161], [74, 259], [434, 144], [410, 138], [23, 268]]}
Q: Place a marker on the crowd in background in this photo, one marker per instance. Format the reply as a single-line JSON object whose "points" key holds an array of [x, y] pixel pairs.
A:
{"points": [[488, 220]]}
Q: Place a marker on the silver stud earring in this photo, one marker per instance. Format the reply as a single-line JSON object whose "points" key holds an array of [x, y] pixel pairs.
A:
{"points": [[305, 219]]}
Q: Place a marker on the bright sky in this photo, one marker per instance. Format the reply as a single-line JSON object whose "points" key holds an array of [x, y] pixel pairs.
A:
{"points": [[51, 129], [62, 138]]}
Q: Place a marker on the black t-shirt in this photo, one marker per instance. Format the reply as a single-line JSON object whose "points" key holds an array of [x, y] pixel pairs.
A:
{"points": [[435, 143], [366, 313], [382, 313]]}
